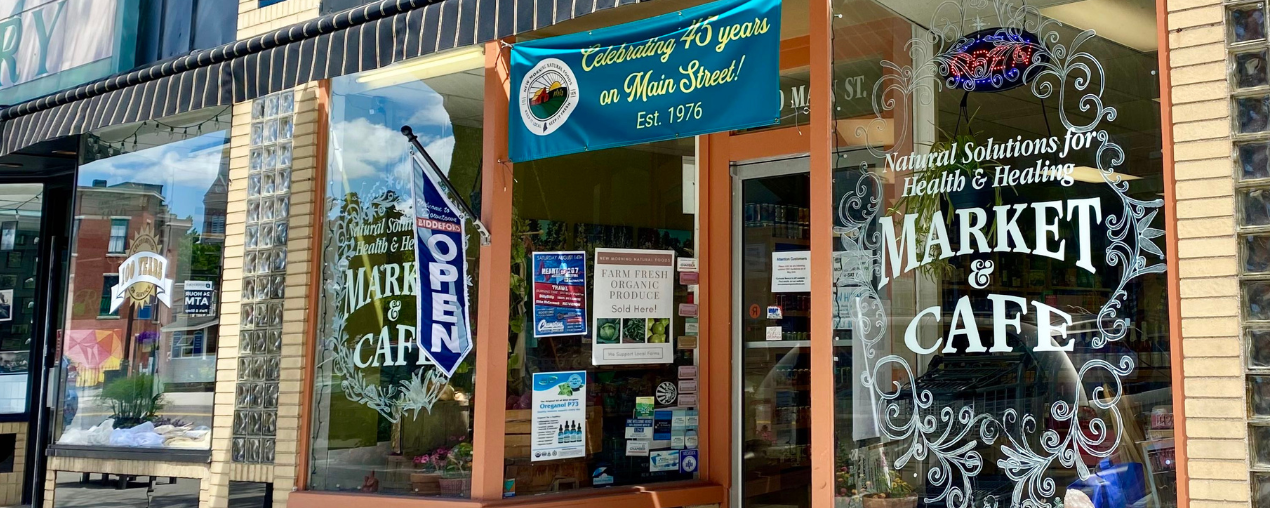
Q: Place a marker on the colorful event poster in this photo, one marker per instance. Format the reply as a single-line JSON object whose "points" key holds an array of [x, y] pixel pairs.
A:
{"points": [[559, 293], [559, 416], [634, 304]]}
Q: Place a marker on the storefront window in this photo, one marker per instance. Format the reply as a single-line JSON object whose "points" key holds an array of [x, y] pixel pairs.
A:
{"points": [[1000, 320], [602, 323], [138, 355], [386, 420], [21, 206]]}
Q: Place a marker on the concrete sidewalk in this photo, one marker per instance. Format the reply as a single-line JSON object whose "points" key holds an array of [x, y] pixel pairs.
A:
{"points": [[72, 493]]}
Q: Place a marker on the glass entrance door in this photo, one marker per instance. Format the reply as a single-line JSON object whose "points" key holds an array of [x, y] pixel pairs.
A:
{"points": [[771, 259], [21, 209]]}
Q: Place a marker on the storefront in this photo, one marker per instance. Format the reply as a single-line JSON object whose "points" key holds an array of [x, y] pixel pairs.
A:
{"points": [[874, 253]]}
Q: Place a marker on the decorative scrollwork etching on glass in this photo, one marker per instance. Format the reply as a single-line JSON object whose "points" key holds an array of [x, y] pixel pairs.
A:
{"points": [[424, 386], [945, 439]]}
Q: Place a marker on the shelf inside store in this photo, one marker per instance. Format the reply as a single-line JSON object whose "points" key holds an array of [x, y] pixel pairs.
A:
{"points": [[776, 344], [769, 233]]}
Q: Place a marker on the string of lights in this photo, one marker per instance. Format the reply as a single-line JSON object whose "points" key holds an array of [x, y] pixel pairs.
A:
{"points": [[100, 148]]}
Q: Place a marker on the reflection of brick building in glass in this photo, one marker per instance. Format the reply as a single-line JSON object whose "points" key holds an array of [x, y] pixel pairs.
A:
{"points": [[215, 204], [111, 221]]}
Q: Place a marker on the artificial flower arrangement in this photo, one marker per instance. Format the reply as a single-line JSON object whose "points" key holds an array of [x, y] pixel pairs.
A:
{"points": [[898, 495], [445, 470]]}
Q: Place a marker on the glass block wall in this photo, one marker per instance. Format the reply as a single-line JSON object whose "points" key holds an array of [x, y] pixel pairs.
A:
{"points": [[264, 274], [1250, 89]]}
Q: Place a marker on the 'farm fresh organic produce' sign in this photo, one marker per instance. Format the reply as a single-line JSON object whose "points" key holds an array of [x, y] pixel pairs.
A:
{"points": [[710, 68], [634, 293]]}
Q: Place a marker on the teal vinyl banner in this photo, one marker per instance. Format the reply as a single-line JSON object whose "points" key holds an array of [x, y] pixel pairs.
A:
{"points": [[710, 68]]}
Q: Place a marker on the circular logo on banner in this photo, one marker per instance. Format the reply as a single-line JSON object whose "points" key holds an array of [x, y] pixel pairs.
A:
{"points": [[548, 94]]}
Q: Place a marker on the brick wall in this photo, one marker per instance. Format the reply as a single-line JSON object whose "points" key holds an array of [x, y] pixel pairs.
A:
{"points": [[216, 488], [282, 473], [254, 21], [1215, 411], [11, 483]]}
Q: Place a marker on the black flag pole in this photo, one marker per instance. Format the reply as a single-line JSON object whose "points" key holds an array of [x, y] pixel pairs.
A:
{"points": [[449, 187]]}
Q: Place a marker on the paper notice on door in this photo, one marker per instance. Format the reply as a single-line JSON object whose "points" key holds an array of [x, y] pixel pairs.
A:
{"points": [[791, 272]]}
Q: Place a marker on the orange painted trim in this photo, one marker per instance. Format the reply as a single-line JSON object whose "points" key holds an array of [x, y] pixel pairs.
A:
{"points": [[490, 398], [770, 143], [308, 383], [822, 137], [714, 212], [1170, 240], [630, 497], [794, 53]]}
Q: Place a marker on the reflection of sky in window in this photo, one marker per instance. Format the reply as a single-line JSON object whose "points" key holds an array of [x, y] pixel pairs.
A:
{"points": [[367, 148], [186, 169]]}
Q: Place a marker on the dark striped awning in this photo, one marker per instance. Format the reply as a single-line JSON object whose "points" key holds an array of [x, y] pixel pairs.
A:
{"points": [[359, 39]]}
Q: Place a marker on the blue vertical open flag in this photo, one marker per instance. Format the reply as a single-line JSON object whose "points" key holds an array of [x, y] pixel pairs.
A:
{"points": [[444, 329]]}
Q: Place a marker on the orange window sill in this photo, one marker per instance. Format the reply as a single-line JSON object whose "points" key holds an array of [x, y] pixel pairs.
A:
{"points": [[662, 496]]}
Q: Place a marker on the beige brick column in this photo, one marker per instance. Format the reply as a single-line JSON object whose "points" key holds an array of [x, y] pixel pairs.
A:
{"points": [[283, 472], [300, 297], [215, 492], [1214, 408]]}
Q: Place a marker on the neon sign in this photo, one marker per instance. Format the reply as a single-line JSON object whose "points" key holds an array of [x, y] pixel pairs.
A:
{"points": [[991, 60]]}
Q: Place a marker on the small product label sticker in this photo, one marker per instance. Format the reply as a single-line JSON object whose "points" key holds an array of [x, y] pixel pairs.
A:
{"points": [[691, 327], [662, 424], [688, 310], [637, 448], [686, 264], [601, 477], [639, 428], [774, 312], [644, 406], [773, 333], [666, 393], [685, 372], [688, 400], [688, 461], [689, 278], [664, 460], [687, 386], [686, 343]]}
